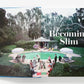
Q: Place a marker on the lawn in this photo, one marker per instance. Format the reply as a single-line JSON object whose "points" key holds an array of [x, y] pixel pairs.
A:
{"points": [[78, 60], [4, 59], [10, 47]]}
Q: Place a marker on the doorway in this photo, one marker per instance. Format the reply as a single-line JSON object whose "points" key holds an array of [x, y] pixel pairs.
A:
{"points": [[41, 44]]}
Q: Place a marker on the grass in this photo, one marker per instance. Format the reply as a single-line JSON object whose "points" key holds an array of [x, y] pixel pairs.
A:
{"points": [[10, 47], [55, 50], [4, 60], [78, 60], [29, 49]]}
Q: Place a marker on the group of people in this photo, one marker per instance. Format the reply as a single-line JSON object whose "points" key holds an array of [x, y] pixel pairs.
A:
{"points": [[41, 63], [18, 58], [34, 62], [55, 59], [51, 64]]}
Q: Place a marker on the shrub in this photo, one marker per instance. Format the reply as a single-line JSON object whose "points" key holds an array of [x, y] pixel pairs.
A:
{"points": [[57, 70], [17, 67], [25, 44], [20, 69], [26, 70], [51, 43], [76, 71], [1, 54], [57, 38], [7, 49], [66, 66], [59, 43]]}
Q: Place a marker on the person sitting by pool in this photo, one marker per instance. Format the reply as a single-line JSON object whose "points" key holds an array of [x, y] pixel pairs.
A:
{"points": [[55, 58], [31, 64], [23, 58], [60, 58], [38, 58], [50, 64], [18, 58], [34, 62], [49, 59]]}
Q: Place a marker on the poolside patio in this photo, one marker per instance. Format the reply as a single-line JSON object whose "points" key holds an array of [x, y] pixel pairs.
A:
{"points": [[27, 61]]}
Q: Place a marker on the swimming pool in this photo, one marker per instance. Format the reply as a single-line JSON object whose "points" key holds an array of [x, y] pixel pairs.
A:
{"points": [[43, 55]]}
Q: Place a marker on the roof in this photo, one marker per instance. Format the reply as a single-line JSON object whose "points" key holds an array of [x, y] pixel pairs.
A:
{"points": [[41, 39]]}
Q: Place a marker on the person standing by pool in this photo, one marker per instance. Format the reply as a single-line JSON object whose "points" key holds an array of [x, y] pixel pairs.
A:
{"points": [[38, 58], [49, 59], [23, 58], [31, 64], [60, 58], [43, 63], [55, 58], [40, 64], [34, 62]]}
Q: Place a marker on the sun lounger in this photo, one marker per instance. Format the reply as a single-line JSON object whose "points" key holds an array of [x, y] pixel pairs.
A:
{"points": [[67, 60]]}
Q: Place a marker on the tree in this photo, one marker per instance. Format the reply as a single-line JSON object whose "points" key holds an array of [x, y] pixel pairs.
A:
{"points": [[80, 15], [35, 23], [3, 24], [3, 19]]}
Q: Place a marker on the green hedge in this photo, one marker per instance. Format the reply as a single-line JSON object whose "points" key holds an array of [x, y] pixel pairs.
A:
{"points": [[67, 70], [57, 70], [5, 50], [25, 44], [20, 69], [8, 48]]}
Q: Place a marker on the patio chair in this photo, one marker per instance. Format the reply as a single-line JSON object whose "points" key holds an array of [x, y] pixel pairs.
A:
{"points": [[68, 60], [49, 49], [52, 49]]}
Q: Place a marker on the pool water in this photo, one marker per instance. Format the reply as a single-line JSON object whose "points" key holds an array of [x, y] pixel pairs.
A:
{"points": [[43, 55]]}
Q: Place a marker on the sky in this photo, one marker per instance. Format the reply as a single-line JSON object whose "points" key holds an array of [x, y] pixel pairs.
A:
{"points": [[64, 7], [64, 11]]}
